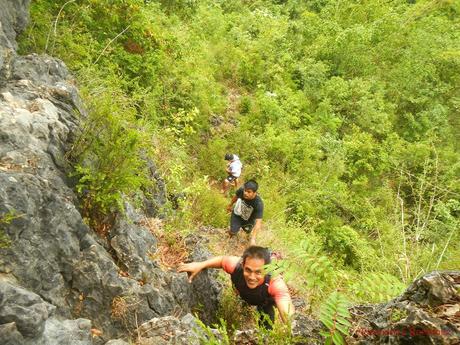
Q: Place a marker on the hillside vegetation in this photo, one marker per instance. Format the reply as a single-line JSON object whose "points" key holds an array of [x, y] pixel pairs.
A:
{"points": [[346, 112]]}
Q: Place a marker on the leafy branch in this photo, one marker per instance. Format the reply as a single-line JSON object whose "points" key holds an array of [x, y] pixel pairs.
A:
{"points": [[334, 315], [316, 268]]}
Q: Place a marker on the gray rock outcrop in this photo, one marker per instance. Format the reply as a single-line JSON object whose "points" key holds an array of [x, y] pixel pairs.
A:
{"points": [[26, 319], [58, 279], [13, 19], [427, 313], [171, 330]]}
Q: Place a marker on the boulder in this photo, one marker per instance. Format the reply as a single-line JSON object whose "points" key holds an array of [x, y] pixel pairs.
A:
{"points": [[26, 319], [171, 330], [427, 313], [23, 308], [67, 332], [307, 330]]}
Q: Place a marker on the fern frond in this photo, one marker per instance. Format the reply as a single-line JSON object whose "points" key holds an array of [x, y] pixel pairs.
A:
{"points": [[334, 315], [377, 287]]}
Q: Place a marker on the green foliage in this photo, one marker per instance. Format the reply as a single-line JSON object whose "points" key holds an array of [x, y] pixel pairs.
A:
{"points": [[345, 112], [206, 336], [6, 219], [346, 244], [317, 269], [280, 334], [270, 189], [212, 158], [398, 314], [182, 124], [335, 315], [208, 204], [234, 311], [376, 287], [108, 151]]}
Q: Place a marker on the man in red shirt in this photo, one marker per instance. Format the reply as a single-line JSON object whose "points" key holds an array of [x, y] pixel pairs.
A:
{"points": [[249, 280]]}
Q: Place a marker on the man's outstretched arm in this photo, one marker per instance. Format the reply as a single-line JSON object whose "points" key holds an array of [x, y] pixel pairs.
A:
{"points": [[280, 292], [196, 267], [286, 310]]}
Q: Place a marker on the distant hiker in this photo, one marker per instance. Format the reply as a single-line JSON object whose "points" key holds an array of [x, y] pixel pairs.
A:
{"points": [[252, 284], [233, 170], [247, 209]]}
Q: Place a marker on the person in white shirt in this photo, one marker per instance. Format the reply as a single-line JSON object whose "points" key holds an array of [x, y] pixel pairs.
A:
{"points": [[233, 170]]}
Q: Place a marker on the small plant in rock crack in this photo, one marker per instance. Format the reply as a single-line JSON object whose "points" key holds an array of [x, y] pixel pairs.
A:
{"points": [[213, 336], [398, 314], [234, 311], [334, 315], [119, 307], [280, 334], [124, 309], [6, 219], [108, 154]]}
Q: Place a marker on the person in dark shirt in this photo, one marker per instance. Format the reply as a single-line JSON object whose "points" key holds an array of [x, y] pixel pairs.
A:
{"points": [[252, 284], [246, 209]]}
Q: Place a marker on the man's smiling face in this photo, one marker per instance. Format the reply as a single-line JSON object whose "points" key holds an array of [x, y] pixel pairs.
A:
{"points": [[253, 272]]}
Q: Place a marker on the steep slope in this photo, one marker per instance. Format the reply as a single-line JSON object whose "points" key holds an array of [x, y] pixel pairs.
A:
{"points": [[60, 283]]}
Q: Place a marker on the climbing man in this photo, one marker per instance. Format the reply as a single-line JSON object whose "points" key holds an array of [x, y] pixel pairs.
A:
{"points": [[233, 170], [247, 209], [251, 283]]}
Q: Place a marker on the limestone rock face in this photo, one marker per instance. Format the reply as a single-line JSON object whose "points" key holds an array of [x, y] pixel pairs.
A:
{"points": [[170, 330], [23, 308], [59, 279], [26, 319], [14, 16], [132, 244]]}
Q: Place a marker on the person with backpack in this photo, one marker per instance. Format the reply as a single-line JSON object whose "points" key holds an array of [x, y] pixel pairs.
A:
{"points": [[251, 283], [247, 209], [233, 170]]}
